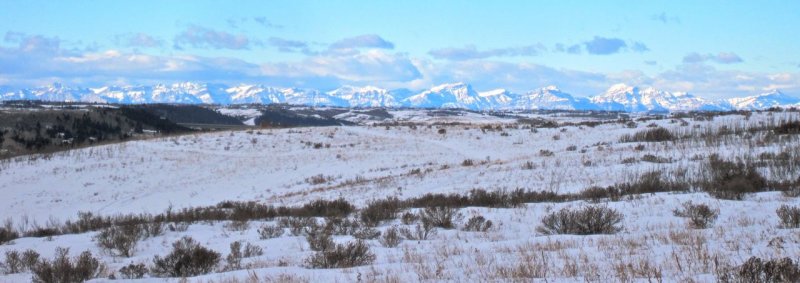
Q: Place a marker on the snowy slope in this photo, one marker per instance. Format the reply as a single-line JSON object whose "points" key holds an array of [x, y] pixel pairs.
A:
{"points": [[367, 96], [498, 98], [456, 95], [270, 166], [622, 97], [551, 97], [773, 98], [244, 94]]}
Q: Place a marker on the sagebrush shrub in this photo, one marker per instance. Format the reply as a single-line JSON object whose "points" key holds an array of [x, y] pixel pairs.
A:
{"points": [[380, 210], [409, 218], [133, 271], [152, 229], [792, 127], [327, 208], [319, 240], [657, 134], [13, 262], [187, 258], [269, 232], [478, 224], [342, 226], [757, 270], [342, 256], [62, 269], [583, 221], [467, 162], [391, 237], [650, 182], [700, 216], [732, 180], [655, 159], [528, 165], [422, 231], [595, 194], [440, 216], [789, 216], [121, 239], [367, 233], [29, 259], [297, 225], [237, 226], [7, 234]]}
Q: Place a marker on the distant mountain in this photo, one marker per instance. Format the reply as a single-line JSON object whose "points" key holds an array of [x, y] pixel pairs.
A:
{"points": [[621, 97], [773, 98], [551, 97], [367, 96], [498, 98], [456, 95], [618, 97], [244, 94]]}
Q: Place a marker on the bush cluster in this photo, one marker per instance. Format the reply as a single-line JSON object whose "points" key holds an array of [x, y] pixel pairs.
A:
{"points": [[583, 221], [440, 216], [269, 232], [187, 258], [391, 237], [700, 216], [789, 216], [133, 271], [342, 256], [732, 180], [120, 239], [62, 269], [478, 224], [380, 210], [657, 134], [759, 270]]}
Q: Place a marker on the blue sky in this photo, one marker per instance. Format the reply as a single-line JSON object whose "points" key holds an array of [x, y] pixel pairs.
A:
{"points": [[711, 48]]}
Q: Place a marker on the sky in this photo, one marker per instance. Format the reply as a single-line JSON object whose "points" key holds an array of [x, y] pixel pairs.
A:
{"points": [[716, 49]]}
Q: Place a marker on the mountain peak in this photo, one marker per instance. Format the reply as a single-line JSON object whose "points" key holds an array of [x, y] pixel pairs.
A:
{"points": [[620, 88], [455, 85], [494, 92], [772, 98], [773, 92], [619, 97], [551, 88]]}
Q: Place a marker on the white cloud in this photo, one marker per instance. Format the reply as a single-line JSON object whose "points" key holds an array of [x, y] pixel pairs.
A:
{"points": [[138, 40], [201, 37], [34, 59], [361, 67], [470, 52], [720, 58], [363, 41]]}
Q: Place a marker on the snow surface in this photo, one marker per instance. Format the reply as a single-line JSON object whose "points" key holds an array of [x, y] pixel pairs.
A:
{"points": [[271, 166]]}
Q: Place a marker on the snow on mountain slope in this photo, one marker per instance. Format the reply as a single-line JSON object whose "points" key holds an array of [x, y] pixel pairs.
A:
{"points": [[773, 98], [456, 95], [311, 97], [551, 97], [367, 96], [621, 97], [54, 92], [498, 98], [245, 94]]}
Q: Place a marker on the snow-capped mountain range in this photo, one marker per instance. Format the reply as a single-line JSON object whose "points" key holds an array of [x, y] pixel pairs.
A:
{"points": [[618, 97]]}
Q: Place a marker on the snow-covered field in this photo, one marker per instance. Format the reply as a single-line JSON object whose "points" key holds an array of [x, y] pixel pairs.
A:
{"points": [[363, 163]]}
